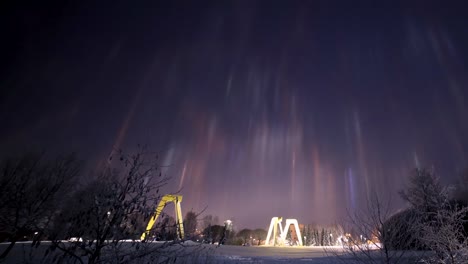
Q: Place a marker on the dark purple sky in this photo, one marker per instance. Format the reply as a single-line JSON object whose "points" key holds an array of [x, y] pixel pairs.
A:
{"points": [[261, 108]]}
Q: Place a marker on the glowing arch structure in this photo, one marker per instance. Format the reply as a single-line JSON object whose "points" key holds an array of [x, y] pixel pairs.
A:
{"points": [[275, 222], [290, 222], [273, 230]]}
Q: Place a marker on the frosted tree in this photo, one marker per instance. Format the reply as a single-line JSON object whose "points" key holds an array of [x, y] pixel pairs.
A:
{"points": [[439, 225], [425, 193], [444, 234]]}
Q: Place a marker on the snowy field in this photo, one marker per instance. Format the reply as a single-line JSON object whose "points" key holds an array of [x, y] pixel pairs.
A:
{"points": [[190, 252]]}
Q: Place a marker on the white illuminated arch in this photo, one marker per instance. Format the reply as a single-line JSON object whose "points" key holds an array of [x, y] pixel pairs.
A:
{"points": [[275, 222], [273, 231], [290, 222]]}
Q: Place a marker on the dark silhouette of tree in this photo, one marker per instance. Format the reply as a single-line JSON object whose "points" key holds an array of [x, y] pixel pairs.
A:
{"points": [[322, 237], [110, 207], [260, 235], [316, 237], [209, 220], [31, 190], [190, 224], [245, 234], [400, 227], [461, 190], [166, 229], [213, 233]]}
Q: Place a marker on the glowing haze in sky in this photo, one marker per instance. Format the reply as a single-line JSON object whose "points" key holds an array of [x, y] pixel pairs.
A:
{"points": [[297, 109]]}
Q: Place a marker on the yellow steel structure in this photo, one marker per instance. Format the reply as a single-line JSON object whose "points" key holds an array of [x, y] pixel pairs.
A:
{"points": [[176, 199]]}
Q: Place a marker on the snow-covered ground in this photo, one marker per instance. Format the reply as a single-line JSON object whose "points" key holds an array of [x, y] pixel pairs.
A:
{"points": [[190, 252]]}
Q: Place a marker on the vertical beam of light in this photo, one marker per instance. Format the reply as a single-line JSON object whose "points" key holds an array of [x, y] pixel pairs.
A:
{"points": [[228, 86], [447, 56], [351, 188], [331, 195], [416, 160], [293, 174], [207, 147], [197, 168], [360, 153], [182, 175], [122, 131], [449, 63], [296, 142], [317, 190]]}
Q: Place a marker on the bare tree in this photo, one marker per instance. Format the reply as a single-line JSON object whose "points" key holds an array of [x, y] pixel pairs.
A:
{"points": [[31, 189], [209, 220], [190, 224], [112, 208], [372, 229], [444, 234]]}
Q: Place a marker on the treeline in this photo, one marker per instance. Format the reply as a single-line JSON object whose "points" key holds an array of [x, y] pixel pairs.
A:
{"points": [[314, 235], [208, 230]]}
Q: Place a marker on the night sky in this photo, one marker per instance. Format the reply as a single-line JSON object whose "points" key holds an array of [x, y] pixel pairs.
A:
{"points": [[297, 109]]}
